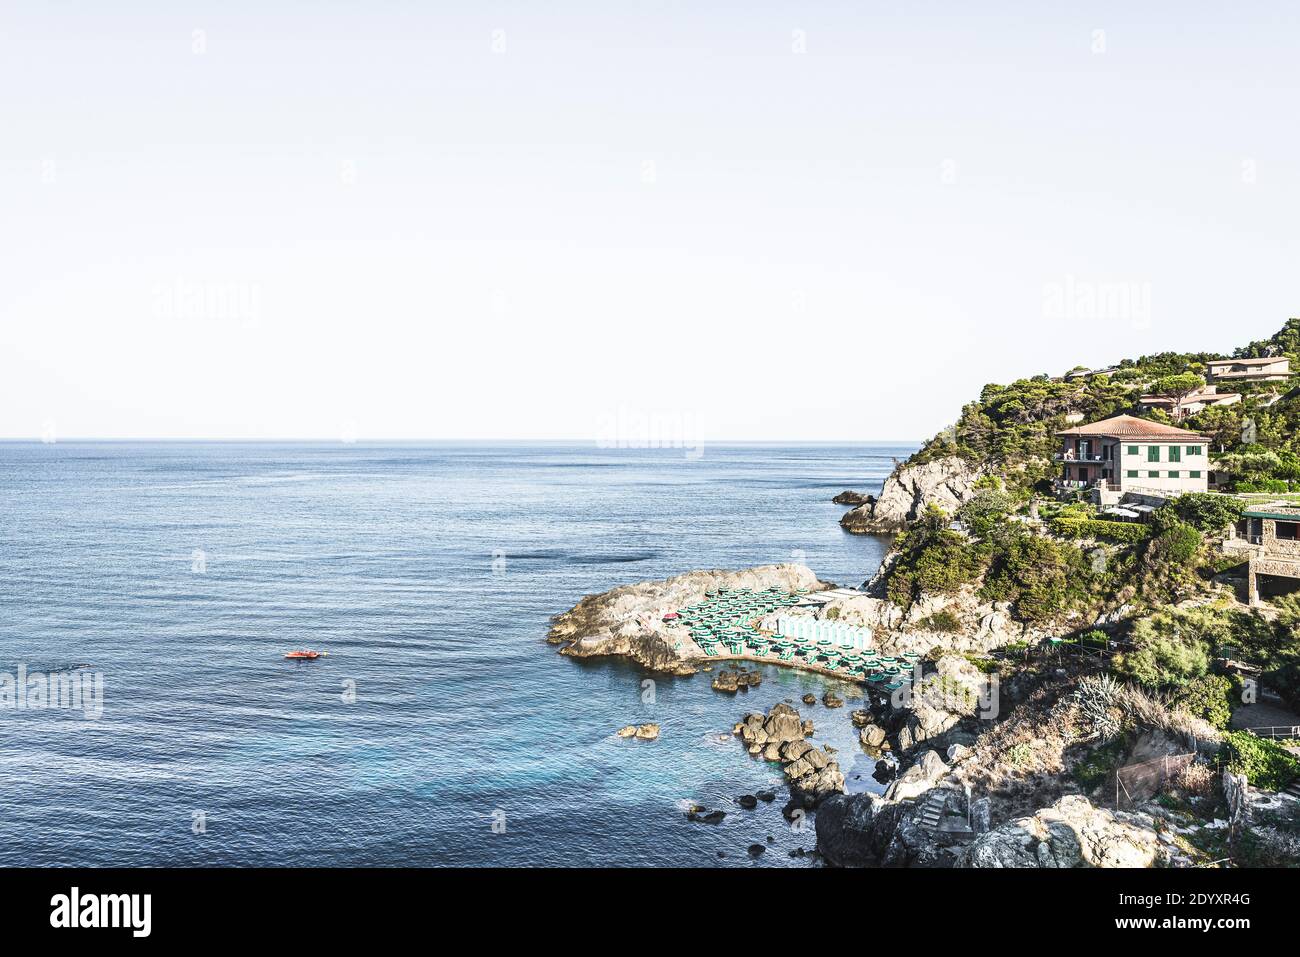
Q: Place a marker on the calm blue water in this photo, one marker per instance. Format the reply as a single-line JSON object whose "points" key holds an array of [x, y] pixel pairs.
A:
{"points": [[383, 555]]}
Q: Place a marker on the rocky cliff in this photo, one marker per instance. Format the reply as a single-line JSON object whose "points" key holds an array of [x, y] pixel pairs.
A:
{"points": [[979, 626], [946, 482]]}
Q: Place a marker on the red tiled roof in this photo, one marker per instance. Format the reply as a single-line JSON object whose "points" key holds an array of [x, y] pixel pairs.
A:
{"points": [[1131, 427]]}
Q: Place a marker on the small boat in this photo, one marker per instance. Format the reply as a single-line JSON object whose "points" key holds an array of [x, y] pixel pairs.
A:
{"points": [[305, 655]]}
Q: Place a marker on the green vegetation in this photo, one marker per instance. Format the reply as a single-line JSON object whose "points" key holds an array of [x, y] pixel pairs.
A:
{"points": [[1210, 697], [986, 510], [942, 621], [1167, 652], [932, 559], [1175, 543], [1265, 763], [1123, 532], [1100, 763], [1172, 650], [1178, 386], [1042, 578], [1205, 511], [1012, 427]]}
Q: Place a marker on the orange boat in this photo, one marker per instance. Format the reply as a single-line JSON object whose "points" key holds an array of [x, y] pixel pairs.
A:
{"points": [[305, 655]]}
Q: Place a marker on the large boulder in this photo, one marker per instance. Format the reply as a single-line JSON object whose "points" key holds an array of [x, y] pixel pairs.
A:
{"points": [[779, 736], [947, 482], [853, 498], [918, 779], [1070, 833], [867, 830]]}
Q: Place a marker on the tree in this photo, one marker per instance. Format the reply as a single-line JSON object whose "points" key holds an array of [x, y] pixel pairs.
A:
{"points": [[985, 510], [1206, 512], [1178, 387]]}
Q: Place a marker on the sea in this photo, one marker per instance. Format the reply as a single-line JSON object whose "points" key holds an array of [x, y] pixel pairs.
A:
{"points": [[440, 728]]}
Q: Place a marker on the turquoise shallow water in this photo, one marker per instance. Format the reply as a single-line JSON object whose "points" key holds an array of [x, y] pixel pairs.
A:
{"points": [[429, 573]]}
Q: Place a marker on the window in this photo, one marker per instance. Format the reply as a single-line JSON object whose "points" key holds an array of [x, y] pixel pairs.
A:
{"points": [[1132, 450], [1175, 474], [1131, 473], [1153, 453], [1153, 474], [1175, 453], [1194, 474], [1193, 450], [1286, 530]]}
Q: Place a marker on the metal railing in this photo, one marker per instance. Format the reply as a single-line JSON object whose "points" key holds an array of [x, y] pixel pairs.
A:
{"points": [[1076, 457], [1275, 731]]}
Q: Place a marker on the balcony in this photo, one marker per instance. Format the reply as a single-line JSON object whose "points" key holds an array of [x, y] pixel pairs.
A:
{"points": [[1077, 457]]}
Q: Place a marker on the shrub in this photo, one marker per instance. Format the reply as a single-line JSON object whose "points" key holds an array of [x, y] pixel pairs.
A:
{"points": [[1207, 512], [1129, 533], [1020, 755], [1097, 699], [1095, 638], [1167, 652], [944, 621], [1195, 779], [1210, 697], [1176, 544], [1040, 577], [987, 509], [932, 560], [1265, 763]]}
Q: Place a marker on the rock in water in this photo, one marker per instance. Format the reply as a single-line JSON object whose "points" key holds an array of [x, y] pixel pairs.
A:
{"points": [[756, 849], [647, 732], [873, 736], [747, 801], [853, 498], [728, 681], [627, 732], [946, 482], [810, 698], [779, 736], [831, 700]]}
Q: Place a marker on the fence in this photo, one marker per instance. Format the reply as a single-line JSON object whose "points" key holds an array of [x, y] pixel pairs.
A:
{"points": [[806, 627], [1275, 731], [1138, 782]]}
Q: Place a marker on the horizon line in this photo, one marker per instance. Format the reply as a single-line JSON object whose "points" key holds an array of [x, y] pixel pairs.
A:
{"points": [[502, 441]]}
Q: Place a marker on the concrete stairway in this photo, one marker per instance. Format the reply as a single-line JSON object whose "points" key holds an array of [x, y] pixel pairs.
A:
{"points": [[930, 813]]}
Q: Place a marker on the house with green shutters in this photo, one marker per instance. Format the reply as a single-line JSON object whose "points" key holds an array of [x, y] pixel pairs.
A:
{"points": [[1127, 454]]}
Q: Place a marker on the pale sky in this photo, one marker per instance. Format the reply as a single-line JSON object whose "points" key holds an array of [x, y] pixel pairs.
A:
{"points": [[751, 221]]}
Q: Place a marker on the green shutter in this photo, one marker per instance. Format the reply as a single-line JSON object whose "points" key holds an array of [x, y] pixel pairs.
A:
{"points": [[1193, 450], [1153, 453], [1153, 475], [1175, 453], [1132, 450], [1174, 475], [1194, 474], [1131, 473]]}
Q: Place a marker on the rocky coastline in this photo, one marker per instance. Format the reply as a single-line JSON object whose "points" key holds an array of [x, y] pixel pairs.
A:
{"points": [[945, 482], [628, 621]]}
